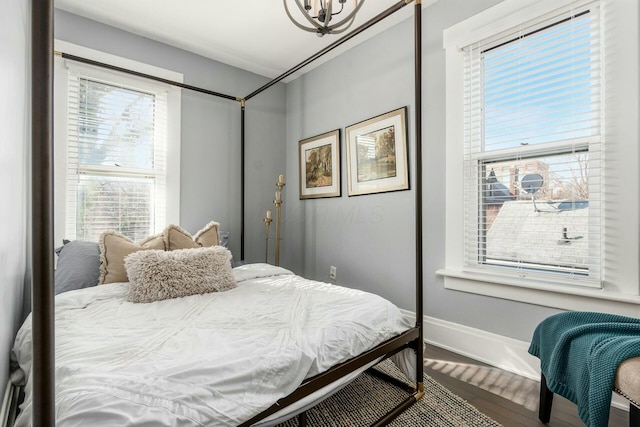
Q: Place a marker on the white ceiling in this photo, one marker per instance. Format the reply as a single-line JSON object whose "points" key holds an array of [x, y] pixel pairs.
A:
{"points": [[254, 35]]}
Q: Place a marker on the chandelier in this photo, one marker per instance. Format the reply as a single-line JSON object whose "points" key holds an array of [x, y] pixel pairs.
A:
{"points": [[322, 12]]}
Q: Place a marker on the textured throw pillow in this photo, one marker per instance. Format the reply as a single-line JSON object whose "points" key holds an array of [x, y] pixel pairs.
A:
{"points": [[78, 265], [114, 247], [159, 275], [176, 237]]}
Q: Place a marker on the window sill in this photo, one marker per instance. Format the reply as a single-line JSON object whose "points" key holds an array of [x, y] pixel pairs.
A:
{"points": [[541, 293]]}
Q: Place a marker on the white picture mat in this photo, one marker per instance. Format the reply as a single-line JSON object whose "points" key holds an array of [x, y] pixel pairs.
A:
{"points": [[397, 119], [330, 138]]}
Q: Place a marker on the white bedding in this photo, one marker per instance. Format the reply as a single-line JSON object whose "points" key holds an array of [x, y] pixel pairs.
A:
{"points": [[204, 360]]}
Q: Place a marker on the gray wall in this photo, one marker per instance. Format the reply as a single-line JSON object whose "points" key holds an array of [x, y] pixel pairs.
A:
{"points": [[14, 141], [371, 238], [368, 238], [210, 152]]}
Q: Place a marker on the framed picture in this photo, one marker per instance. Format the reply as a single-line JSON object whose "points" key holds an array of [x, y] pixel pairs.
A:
{"points": [[377, 154], [319, 161]]}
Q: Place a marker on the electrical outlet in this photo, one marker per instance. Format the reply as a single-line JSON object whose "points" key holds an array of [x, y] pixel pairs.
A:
{"points": [[332, 272]]}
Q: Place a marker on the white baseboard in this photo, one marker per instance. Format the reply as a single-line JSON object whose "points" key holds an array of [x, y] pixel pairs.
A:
{"points": [[496, 350]]}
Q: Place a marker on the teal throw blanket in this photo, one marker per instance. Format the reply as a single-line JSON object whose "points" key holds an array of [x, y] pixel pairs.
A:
{"points": [[579, 354]]}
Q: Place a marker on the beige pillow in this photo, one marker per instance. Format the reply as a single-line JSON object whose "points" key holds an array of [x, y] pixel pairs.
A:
{"points": [[209, 235], [176, 237], [114, 247], [159, 275]]}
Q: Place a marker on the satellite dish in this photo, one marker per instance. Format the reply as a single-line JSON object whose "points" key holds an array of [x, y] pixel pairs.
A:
{"points": [[531, 182]]}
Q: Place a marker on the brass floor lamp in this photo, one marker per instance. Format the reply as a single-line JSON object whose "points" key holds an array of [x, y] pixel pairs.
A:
{"points": [[267, 222]]}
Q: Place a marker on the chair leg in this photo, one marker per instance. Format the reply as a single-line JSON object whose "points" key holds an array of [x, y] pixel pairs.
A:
{"points": [[546, 399], [302, 419], [634, 415]]}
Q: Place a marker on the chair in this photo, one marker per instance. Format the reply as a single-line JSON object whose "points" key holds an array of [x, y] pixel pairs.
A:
{"points": [[585, 356], [627, 385]]}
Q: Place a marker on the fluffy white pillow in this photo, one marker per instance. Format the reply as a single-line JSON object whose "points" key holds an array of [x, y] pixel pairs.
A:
{"points": [[156, 275]]}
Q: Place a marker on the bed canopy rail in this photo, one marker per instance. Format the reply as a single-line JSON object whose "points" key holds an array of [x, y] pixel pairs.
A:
{"points": [[371, 22], [87, 61], [144, 75], [42, 214]]}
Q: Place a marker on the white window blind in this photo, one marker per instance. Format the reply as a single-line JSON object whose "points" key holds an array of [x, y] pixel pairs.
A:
{"points": [[116, 156], [533, 149]]}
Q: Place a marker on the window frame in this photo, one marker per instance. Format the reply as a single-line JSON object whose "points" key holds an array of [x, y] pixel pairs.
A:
{"points": [[479, 156], [620, 285], [173, 136]]}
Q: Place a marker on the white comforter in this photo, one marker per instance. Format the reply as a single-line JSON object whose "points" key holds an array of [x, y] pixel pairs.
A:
{"points": [[205, 360]]}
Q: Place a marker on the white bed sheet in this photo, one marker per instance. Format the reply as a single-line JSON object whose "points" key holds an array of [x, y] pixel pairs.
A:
{"points": [[205, 360]]}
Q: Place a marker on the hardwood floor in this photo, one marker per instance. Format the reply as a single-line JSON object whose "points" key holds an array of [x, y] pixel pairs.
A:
{"points": [[509, 399]]}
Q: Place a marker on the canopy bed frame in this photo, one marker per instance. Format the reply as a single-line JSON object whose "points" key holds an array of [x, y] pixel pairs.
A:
{"points": [[42, 218]]}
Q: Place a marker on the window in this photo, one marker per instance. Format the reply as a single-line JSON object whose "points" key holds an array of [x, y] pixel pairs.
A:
{"points": [[532, 147], [117, 136], [542, 174], [116, 159]]}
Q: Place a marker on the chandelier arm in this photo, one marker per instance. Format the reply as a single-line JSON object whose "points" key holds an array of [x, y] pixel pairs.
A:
{"points": [[349, 16], [329, 8], [305, 14], [340, 11], [342, 30], [313, 29]]}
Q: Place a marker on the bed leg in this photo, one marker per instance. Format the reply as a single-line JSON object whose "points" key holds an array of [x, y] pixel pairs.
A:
{"points": [[302, 419], [546, 399]]}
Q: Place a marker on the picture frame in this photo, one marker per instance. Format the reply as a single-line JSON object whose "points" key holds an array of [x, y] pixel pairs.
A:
{"points": [[319, 166], [377, 154]]}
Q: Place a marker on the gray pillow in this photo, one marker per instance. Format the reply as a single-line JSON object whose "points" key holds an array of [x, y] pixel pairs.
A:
{"points": [[78, 265], [224, 239]]}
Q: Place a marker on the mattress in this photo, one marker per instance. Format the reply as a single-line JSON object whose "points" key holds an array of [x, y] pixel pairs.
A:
{"points": [[215, 359]]}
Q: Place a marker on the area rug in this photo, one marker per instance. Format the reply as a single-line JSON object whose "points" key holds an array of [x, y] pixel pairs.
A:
{"points": [[368, 398]]}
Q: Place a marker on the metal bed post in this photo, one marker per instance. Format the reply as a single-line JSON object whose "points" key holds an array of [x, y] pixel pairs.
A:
{"points": [[42, 213], [418, 219], [418, 342], [242, 184], [413, 338]]}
